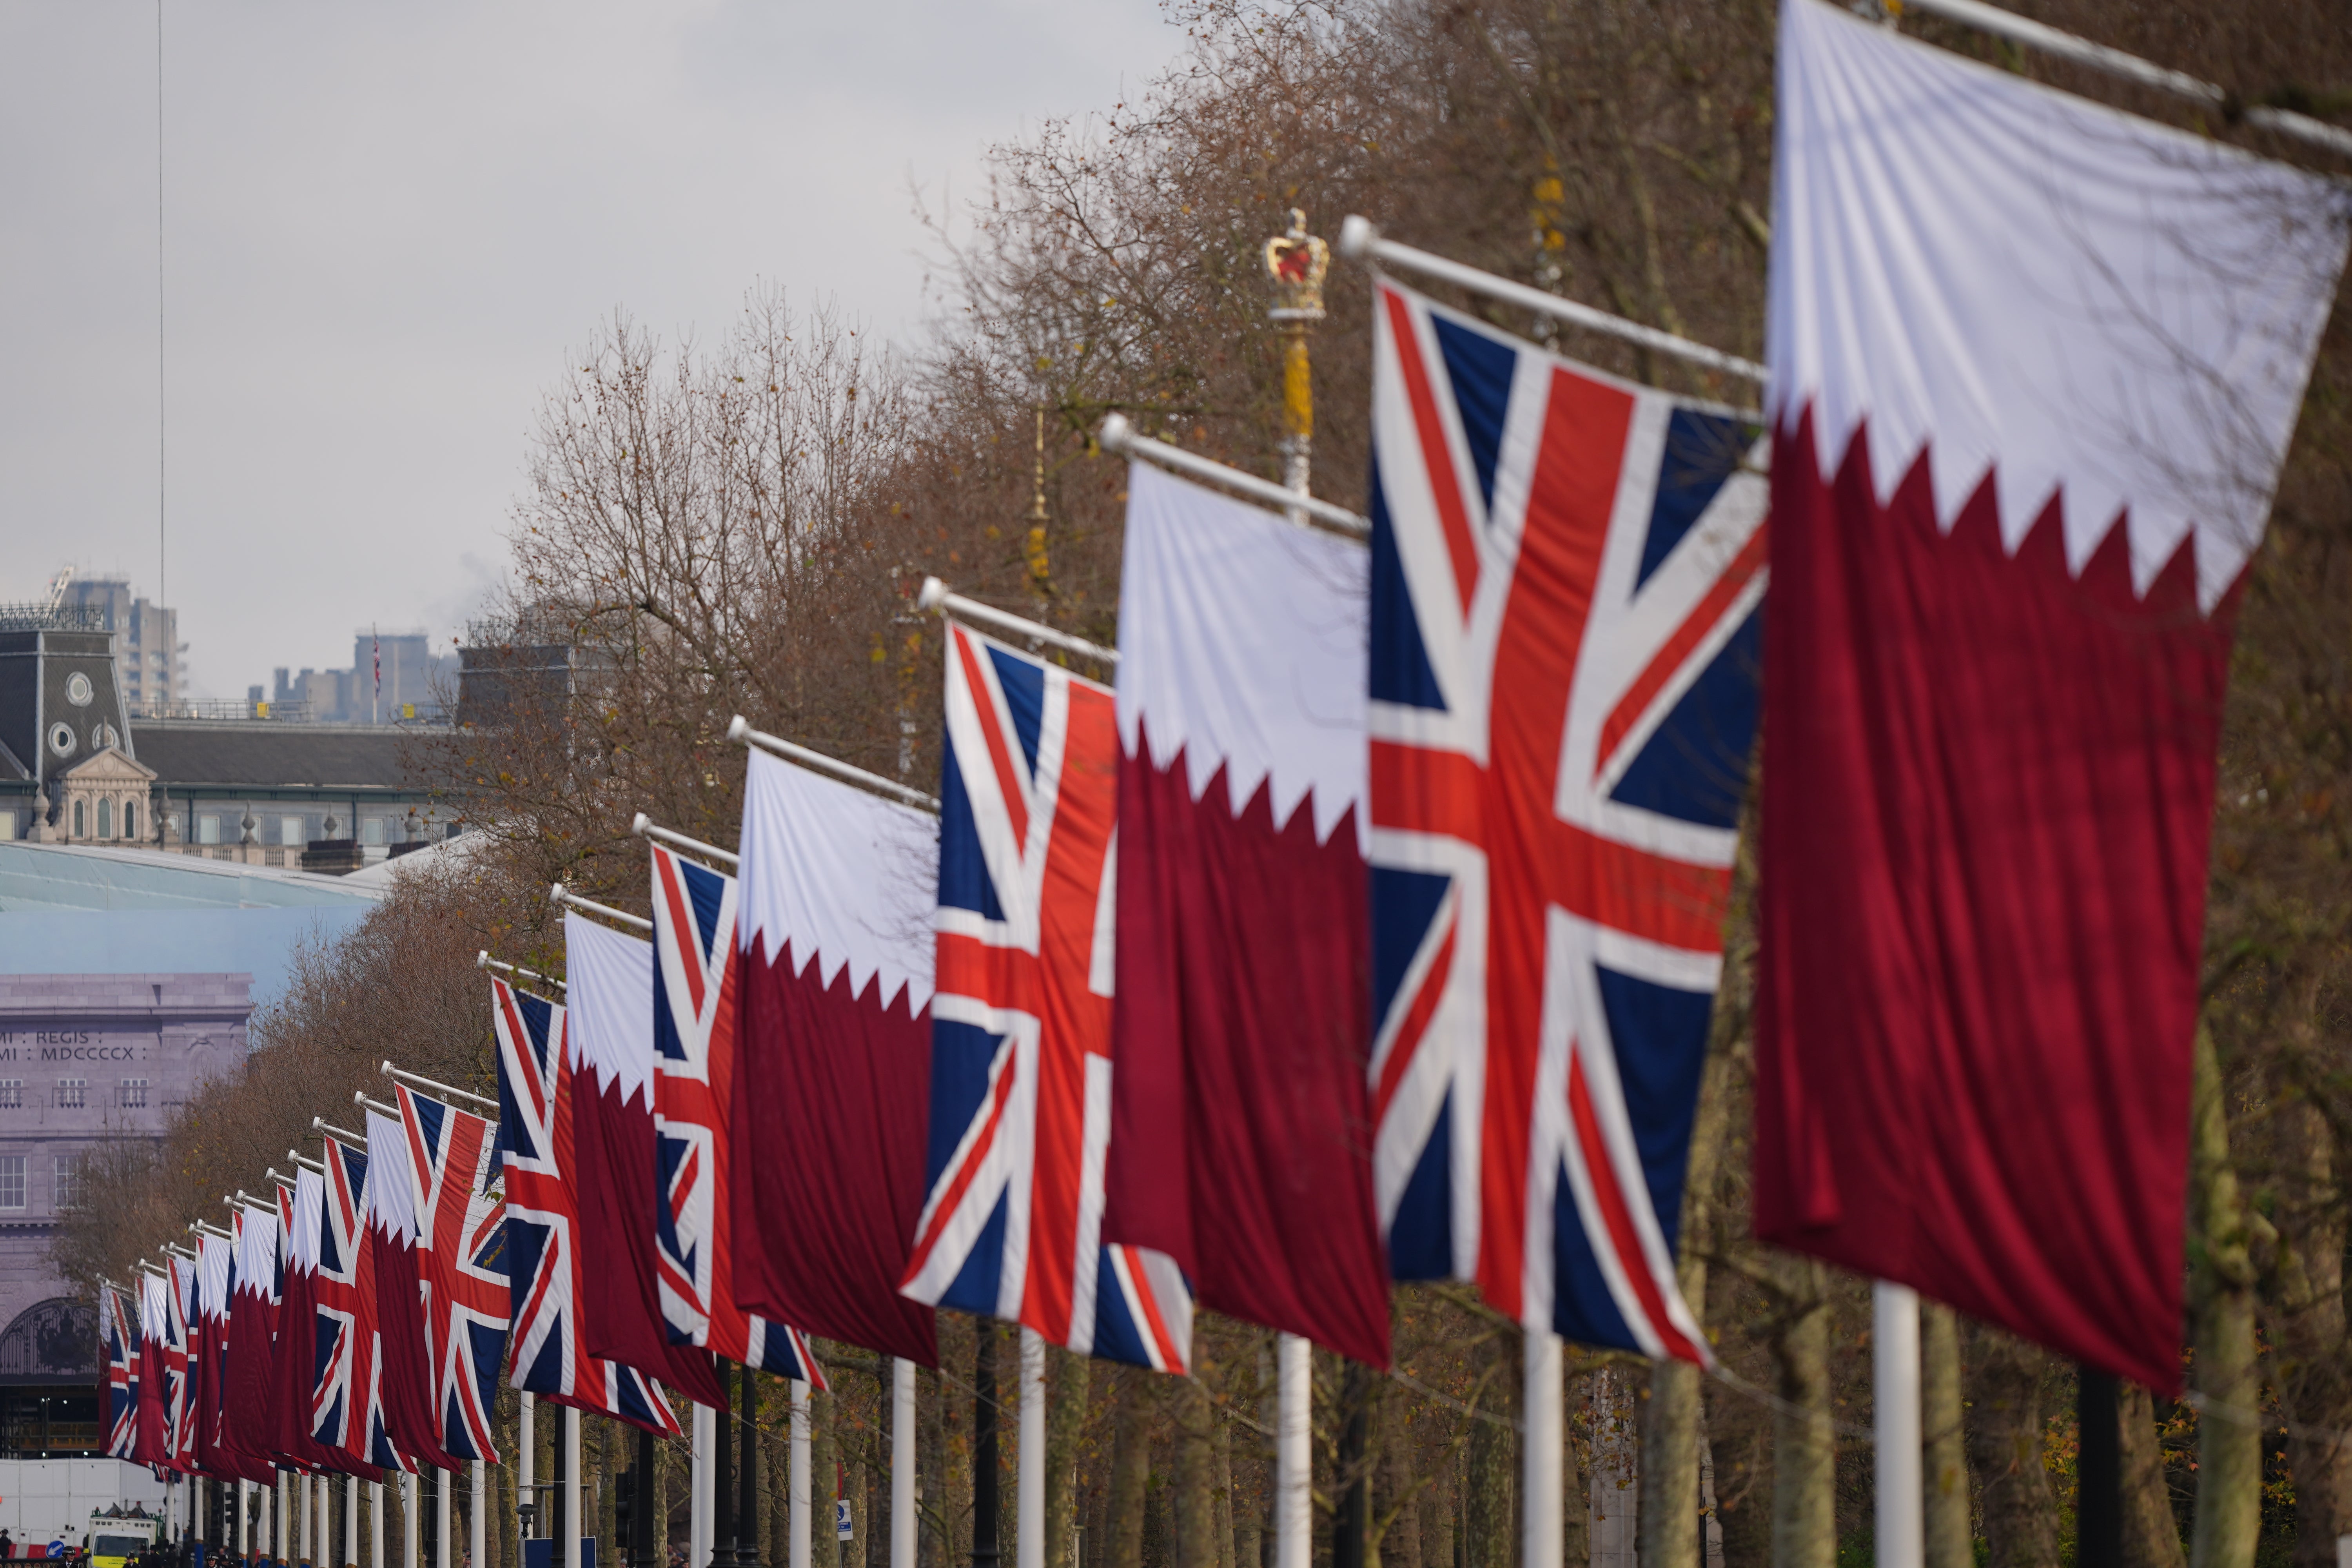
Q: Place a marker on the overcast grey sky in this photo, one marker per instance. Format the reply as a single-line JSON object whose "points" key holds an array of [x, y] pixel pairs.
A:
{"points": [[383, 224]]}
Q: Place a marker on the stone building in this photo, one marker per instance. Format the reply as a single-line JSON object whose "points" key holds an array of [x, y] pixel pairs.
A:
{"points": [[80, 764], [86, 1060]]}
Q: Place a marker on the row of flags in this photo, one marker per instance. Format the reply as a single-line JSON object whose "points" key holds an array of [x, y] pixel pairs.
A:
{"points": [[1365, 929], [358, 1325], [1369, 926]]}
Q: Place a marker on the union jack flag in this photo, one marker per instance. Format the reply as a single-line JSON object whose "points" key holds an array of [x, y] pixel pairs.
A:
{"points": [[1021, 1022], [347, 1403], [695, 1009], [535, 1069], [1568, 580], [179, 1413], [121, 1373], [461, 1253]]}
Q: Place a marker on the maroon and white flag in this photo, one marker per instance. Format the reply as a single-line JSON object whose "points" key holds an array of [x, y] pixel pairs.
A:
{"points": [[2034, 367], [833, 1068], [611, 1017], [404, 1359], [1240, 1128]]}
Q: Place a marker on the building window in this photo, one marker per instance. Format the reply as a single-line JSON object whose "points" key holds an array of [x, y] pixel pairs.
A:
{"points": [[208, 830], [289, 832], [372, 830], [12, 1180], [133, 1096], [105, 818], [70, 1091], [129, 819], [7, 825], [80, 830], [12, 1093], [68, 1192]]}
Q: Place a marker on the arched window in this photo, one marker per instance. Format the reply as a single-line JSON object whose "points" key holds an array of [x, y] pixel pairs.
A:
{"points": [[79, 831], [129, 819], [105, 818]]}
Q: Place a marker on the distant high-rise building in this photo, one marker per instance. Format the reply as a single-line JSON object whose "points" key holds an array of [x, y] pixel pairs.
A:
{"points": [[153, 677], [394, 678]]}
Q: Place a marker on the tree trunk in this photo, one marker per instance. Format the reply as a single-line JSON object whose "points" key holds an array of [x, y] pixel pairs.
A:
{"points": [[1669, 1523], [2221, 1324], [2151, 1535], [1490, 1478], [1804, 1461], [1437, 1531], [2314, 1381], [605, 1467], [1195, 1503], [1130, 1471], [1065, 1422], [1951, 1533], [1224, 1449], [824, 1462], [2020, 1516], [1396, 1501]]}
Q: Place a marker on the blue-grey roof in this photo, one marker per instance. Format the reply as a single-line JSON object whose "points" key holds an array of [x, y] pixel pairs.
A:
{"points": [[62, 877]]}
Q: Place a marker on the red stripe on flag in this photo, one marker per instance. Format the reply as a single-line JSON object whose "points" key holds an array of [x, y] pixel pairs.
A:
{"points": [[683, 925], [1411, 1032], [1444, 488], [1007, 780], [1669, 657], [974, 1157], [1610, 1198]]}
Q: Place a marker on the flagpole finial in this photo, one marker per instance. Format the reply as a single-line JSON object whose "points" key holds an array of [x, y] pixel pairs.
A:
{"points": [[1357, 237], [1297, 262]]}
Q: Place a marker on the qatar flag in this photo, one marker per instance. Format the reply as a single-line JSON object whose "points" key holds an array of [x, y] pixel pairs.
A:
{"points": [[219, 1451], [154, 1443], [2034, 367], [246, 1426], [403, 1363], [833, 1068], [614, 1146], [1240, 1129]]}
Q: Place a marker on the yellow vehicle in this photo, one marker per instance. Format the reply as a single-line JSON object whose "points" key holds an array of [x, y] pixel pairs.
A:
{"points": [[113, 1542]]}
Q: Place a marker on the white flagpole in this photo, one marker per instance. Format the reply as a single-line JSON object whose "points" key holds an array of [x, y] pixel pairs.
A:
{"points": [[441, 1489], [528, 1452], [1901, 1527], [1544, 1538], [697, 1491], [283, 1536], [322, 1548], [477, 1522], [799, 1479], [571, 1488], [1029, 1530], [1293, 1502], [302, 1520], [375, 1524], [351, 1522], [243, 1501], [412, 1539], [902, 1463]]}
